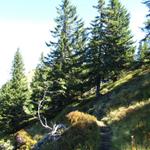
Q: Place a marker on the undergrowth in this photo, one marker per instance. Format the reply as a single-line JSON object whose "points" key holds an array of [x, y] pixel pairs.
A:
{"points": [[124, 106], [83, 133]]}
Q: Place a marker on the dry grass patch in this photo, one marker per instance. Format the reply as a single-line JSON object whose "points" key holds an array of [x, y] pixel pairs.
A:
{"points": [[82, 134], [122, 112]]}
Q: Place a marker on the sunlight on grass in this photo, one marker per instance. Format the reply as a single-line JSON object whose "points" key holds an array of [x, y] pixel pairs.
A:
{"points": [[82, 134], [122, 112], [125, 77]]}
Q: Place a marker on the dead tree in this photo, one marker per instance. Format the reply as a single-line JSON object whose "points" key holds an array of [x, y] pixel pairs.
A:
{"points": [[55, 131]]}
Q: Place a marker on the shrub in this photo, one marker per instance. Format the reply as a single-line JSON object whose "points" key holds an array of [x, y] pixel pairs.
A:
{"points": [[83, 133], [6, 145], [79, 118], [23, 140]]}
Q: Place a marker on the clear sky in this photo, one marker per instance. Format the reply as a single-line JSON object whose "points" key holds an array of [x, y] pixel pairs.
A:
{"points": [[25, 24]]}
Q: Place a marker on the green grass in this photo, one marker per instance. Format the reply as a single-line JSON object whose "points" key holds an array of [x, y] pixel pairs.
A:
{"points": [[83, 134], [135, 123], [125, 106]]}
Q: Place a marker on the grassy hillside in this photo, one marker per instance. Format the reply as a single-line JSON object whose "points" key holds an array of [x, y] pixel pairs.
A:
{"points": [[124, 107]]}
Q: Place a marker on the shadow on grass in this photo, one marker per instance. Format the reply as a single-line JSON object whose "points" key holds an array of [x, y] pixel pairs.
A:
{"points": [[133, 90]]}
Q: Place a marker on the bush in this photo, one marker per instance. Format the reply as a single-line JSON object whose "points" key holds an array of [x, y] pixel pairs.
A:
{"points": [[82, 134], [80, 118], [6, 145], [23, 140]]}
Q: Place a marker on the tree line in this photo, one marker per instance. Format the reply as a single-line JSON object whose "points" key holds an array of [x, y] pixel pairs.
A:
{"points": [[79, 61]]}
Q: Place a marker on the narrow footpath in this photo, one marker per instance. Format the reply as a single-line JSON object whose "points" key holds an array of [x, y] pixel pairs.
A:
{"points": [[106, 135]]}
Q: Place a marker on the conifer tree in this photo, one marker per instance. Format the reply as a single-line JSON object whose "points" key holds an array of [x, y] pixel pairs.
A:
{"points": [[95, 54], [147, 23], [144, 48], [76, 68], [118, 39], [66, 50], [5, 104], [15, 95]]}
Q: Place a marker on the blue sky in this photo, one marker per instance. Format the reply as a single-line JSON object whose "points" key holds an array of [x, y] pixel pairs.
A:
{"points": [[25, 24]]}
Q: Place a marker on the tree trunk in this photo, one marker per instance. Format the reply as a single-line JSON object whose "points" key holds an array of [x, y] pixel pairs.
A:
{"points": [[98, 80]]}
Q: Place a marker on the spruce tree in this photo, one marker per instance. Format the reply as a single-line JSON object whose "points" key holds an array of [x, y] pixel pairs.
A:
{"points": [[76, 68], [144, 46], [147, 23], [118, 39], [15, 95], [66, 50], [95, 53], [5, 104]]}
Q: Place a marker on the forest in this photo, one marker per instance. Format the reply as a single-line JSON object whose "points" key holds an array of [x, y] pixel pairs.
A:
{"points": [[90, 92]]}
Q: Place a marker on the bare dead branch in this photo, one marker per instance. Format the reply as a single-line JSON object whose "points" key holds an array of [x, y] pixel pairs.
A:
{"points": [[40, 105], [55, 132]]}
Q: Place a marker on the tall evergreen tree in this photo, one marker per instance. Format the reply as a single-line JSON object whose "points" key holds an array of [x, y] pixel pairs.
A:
{"points": [[95, 54], [15, 95], [144, 46], [67, 49], [147, 23], [76, 68], [118, 39]]}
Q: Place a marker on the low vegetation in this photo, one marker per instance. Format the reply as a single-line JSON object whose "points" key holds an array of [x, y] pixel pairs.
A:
{"points": [[83, 133], [90, 82]]}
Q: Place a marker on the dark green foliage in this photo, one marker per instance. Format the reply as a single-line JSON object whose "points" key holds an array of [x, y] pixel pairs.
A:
{"points": [[14, 97], [110, 48], [118, 38], [76, 68], [144, 46], [95, 53], [66, 58], [18, 82], [40, 83], [83, 133], [76, 64], [147, 23], [144, 50]]}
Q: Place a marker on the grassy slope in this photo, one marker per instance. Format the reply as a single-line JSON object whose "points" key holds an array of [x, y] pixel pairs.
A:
{"points": [[125, 106]]}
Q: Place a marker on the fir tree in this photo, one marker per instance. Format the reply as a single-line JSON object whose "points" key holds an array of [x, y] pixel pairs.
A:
{"points": [[144, 48], [15, 95], [147, 23], [5, 105], [67, 49], [76, 68], [95, 52], [118, 39]]}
